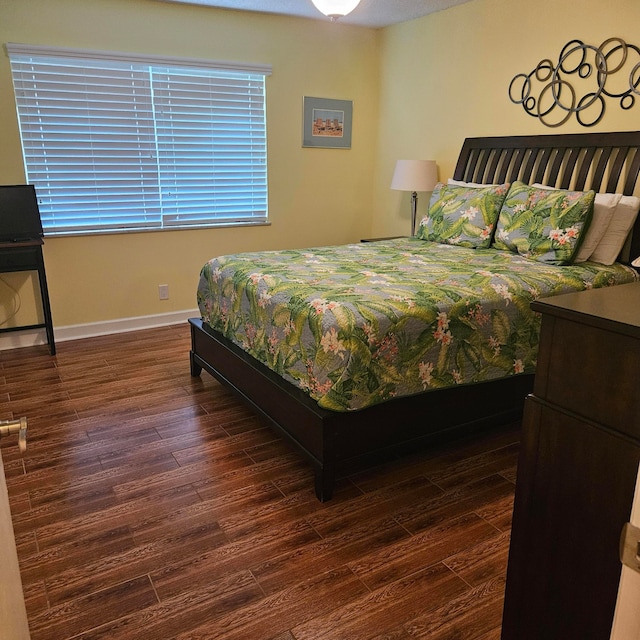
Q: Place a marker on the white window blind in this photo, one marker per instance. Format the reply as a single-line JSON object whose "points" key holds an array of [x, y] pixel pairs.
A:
{"points": [[115, 142]]}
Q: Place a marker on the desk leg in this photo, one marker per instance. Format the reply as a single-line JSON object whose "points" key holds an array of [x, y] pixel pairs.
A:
{"points": [[46, 307]]}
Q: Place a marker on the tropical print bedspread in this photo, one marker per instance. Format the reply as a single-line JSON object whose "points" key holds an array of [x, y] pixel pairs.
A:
{"points": [[358, 324]]}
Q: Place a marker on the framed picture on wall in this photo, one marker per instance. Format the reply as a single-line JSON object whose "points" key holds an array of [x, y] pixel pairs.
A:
{"points": [[327, 123]]}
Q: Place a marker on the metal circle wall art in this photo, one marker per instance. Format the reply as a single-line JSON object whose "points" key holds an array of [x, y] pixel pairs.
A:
{"points": [[583, 77]]}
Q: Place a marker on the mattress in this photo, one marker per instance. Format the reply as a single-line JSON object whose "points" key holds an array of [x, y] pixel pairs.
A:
{"points": [[359, 324]]}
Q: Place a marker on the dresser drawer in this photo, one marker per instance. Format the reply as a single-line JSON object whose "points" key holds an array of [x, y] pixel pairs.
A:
{"points": [[573, 495], [591, 372], [19, 259]]}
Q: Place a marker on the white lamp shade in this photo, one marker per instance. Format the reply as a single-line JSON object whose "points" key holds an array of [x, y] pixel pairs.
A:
{"points": [[415, 175], [336, 8]]}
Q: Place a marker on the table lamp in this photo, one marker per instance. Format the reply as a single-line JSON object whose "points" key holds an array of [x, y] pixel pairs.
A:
{"points": [[414, 176]]}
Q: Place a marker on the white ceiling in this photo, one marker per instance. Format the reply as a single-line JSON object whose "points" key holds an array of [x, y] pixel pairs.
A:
{"points": [[369, 13]]}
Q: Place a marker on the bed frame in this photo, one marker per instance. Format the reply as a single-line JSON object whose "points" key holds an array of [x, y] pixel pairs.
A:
{"points": [[331, 441]]}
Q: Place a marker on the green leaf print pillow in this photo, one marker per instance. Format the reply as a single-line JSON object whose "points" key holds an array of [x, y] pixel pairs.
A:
{"points": [[462, 215], [544, 225]]}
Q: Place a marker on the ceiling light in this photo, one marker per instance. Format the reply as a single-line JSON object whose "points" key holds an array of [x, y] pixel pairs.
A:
{"points": [[336, 8]]}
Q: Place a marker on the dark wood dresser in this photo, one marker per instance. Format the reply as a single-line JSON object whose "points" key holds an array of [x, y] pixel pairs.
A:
{"points": [[577, 468]]}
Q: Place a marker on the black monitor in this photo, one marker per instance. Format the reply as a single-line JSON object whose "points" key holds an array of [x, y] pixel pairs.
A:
{"points": [[19, 214]]}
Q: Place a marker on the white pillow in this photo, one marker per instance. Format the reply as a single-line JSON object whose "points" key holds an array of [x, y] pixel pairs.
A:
{"points": [[475, 185], [604, 208], [610, 246]]}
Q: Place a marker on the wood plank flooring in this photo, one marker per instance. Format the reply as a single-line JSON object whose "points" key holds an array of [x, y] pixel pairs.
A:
{"points": [[151, 504]]}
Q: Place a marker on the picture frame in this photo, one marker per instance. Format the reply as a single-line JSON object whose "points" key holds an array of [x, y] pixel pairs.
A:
{"points": [[327, 123]]}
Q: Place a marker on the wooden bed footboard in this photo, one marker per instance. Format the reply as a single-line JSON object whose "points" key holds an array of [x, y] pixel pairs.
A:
{"points": [[330, 440]]}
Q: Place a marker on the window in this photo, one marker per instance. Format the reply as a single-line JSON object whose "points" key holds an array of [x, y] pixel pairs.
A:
{"points": [[123, 142]]}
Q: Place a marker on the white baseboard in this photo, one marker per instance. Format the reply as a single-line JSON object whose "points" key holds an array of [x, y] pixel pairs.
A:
{"points": [[33, 337]]}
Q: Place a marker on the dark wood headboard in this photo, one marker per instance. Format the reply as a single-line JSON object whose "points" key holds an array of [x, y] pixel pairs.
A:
{"points": [[604, 162]]}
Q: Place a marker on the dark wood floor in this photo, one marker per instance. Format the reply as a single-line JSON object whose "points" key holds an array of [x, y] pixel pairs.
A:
{"points": [[153, 505]]}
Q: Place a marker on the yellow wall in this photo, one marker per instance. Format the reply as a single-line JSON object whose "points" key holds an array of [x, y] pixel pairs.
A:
{"points": [[316, 196], [445, 77], [419, 88]]}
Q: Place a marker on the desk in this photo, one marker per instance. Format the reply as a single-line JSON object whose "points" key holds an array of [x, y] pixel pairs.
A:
{"points": [[27, 256]]}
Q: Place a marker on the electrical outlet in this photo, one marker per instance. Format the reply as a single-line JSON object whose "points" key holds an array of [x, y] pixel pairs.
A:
{"points": [[163, 291]]}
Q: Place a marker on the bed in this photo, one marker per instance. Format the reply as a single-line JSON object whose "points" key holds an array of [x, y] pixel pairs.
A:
{"points": [[326, 349]]}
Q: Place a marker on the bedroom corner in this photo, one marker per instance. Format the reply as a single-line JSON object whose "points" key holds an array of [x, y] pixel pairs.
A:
{"points": [[316, 196]]}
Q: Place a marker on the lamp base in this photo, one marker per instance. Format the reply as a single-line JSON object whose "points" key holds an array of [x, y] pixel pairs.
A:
{"points": [[414, 208]]}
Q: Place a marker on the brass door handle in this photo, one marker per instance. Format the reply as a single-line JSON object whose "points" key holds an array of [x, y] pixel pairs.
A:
{"points": [[19, 426]]}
